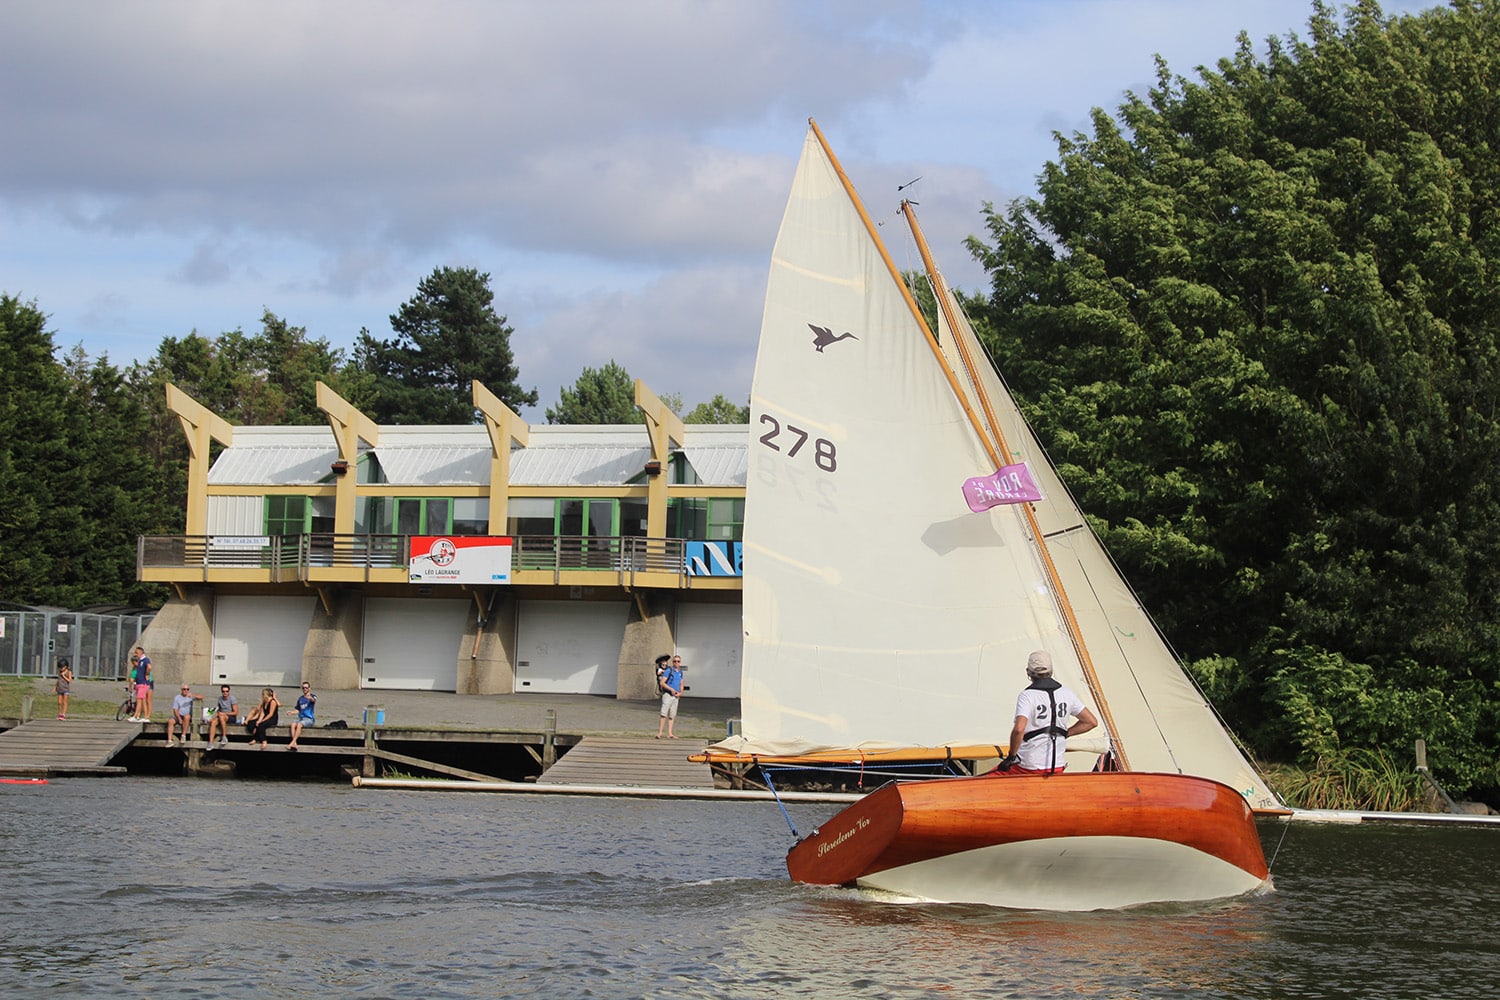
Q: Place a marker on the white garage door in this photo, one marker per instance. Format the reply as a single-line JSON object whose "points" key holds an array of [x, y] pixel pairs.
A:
{"points": [[412, 645], [258, 641], [709, 640], [569, 647]]}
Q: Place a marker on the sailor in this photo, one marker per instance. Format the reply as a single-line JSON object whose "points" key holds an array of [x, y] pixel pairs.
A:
{"points": [[1040, 734]]}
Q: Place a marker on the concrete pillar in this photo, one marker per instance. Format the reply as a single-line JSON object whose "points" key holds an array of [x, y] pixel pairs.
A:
{"points": [[645, 639], [180, 641], [488, 667], [330, 656]]}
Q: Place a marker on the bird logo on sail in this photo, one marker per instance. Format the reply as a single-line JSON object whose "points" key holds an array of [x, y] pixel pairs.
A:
{"points": [[822, 337], [1009, 484]]}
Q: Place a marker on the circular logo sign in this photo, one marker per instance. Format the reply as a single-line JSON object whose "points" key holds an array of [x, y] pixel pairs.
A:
{"points": [[443, 552]]}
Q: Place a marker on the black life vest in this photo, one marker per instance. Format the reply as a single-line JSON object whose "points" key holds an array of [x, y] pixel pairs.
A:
{"points": [[1049, 685]]}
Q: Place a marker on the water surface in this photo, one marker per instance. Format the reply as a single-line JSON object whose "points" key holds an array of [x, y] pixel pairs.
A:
{"points": [[178, 887]]}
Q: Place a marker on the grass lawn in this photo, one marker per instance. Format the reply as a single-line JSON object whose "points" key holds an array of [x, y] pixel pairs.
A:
{"points": [[44, 702]]}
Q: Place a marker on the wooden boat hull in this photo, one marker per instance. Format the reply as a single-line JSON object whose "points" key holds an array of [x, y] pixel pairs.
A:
{"points": [[1062, 842]]}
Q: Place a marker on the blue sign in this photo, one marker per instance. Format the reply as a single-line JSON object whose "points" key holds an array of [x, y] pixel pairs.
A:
{"points": [[713, 558]]}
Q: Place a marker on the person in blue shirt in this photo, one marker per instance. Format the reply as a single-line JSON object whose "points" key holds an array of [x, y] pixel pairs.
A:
{"points": [[144, 682], [304, 717], [671, 694]]}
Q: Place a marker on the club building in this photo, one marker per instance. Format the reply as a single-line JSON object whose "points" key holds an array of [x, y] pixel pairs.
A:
{"points": [[485, 559]]}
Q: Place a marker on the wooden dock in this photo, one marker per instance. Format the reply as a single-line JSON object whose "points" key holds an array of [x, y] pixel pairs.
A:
{"points": [[629, 761], [54, 748], [46, 748]]}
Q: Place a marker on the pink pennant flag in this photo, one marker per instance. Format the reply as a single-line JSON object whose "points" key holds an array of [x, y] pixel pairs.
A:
{"points": [[1011, 484]]}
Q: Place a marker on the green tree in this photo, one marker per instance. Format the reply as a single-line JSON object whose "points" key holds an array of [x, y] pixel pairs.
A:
{"points": [[445, 336], [279, 369], [600, 396], [125, 495], [34, 449], [1253, 319], [718, 410]]}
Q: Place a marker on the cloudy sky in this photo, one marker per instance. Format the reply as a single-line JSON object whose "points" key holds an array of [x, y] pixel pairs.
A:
{"points": [[618, 168]]}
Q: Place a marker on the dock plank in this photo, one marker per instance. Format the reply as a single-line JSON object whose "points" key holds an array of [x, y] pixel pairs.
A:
{"points": [[58, 747], [630, 761]]}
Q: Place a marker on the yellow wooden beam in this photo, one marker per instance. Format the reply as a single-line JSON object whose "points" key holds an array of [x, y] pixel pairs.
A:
{"points": [[349, 426], [201, 426], [504, 426], [665, 429]]}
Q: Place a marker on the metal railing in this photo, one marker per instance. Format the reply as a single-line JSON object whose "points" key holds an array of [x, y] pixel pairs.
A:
{"points": [[288, 558]]}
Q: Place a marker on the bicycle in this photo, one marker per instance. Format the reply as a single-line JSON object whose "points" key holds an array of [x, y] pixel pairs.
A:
{"points": [[127, 707]]}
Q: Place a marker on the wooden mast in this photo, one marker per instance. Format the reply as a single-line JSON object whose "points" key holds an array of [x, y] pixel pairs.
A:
{"points": [[1070, 619]]}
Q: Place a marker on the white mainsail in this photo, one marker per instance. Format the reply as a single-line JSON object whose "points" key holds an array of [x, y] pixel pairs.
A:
{"points": [[879, 611]]}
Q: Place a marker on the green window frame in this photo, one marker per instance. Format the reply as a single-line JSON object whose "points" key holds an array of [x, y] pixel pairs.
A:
{"points": [[288, 514], [707, 518]]}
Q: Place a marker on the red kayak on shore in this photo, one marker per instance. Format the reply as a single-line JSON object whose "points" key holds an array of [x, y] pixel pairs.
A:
{"points": [[1079, 841]]}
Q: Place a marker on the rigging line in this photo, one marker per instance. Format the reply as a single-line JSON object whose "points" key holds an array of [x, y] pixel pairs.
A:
{"points": [[1286, 825], [784, 814]]}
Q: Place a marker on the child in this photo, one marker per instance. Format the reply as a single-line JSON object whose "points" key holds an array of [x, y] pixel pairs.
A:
{"points": [[63, 687]]}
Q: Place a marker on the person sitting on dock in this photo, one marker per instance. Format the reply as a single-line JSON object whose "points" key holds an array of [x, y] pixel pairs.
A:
{"points": [[671, 694], [1037, 739], [225, 712], [182, 714], [263, 716], [305, 705]]}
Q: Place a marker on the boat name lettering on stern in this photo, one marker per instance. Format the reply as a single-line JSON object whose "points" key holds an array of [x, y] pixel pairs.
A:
{"points": [[859, 825]]}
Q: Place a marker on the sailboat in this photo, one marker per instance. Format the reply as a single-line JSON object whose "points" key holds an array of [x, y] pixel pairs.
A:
{"points": [[886, 617]]}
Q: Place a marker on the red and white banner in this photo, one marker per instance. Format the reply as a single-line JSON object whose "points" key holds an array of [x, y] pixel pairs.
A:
{"points": [[460, 559]]}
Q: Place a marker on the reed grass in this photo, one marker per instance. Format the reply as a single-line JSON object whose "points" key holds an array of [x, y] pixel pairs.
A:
{"points": [[1357, 779]]}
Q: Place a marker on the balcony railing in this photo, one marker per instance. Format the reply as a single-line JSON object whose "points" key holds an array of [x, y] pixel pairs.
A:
{"points": [[290, 558]]}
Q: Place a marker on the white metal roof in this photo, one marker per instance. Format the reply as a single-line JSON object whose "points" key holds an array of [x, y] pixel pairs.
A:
{"points": [[718, 453], [556, 455], [576, 455], [275, 456], [435, 456]]}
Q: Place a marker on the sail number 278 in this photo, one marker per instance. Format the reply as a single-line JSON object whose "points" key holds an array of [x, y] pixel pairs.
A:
{"points": [[791, 439]]}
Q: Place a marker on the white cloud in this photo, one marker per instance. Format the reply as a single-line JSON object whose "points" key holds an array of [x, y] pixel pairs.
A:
{"points": [[619, 168]]}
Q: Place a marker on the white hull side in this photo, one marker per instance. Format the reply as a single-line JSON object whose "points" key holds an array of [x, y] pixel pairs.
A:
{"points": [[1069, 873]]}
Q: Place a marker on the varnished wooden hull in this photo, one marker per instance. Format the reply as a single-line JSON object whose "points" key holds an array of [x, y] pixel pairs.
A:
{"points": [[1065, 842]]}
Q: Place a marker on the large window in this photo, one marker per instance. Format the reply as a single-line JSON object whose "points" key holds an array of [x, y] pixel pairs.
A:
{"points": [[372, 515], [593, 517], [422, 516], [717, 518], [287, 515], [298, 515], [532, 516], [471, 516], [633, 512]]}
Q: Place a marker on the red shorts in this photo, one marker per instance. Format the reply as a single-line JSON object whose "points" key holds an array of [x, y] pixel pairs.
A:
{"points": [[1017, 771]]}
